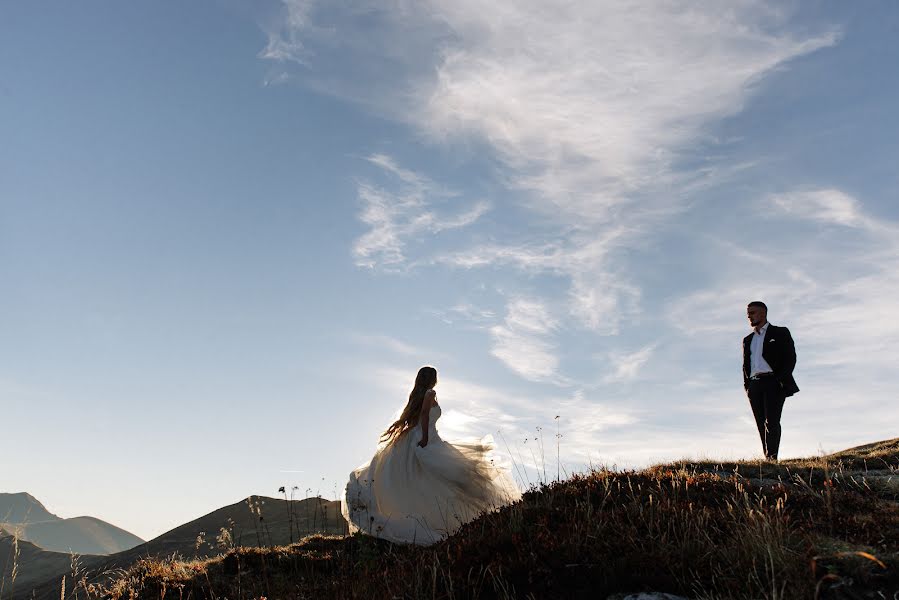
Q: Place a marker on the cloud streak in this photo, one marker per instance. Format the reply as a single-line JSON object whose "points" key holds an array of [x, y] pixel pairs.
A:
{"points": [[402, 215], [593, 111], [823, 205], [284, 43], [523, 341], [592, 103], [626, 366]]}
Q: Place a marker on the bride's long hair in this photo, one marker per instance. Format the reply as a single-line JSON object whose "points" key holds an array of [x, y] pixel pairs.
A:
{"points": [[425, 380]]}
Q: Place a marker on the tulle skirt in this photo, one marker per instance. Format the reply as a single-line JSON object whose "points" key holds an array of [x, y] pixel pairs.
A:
{"points": [[414, 495]]}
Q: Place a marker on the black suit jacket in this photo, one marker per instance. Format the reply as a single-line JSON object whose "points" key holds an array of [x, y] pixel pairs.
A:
{"points": [[778, 351]]}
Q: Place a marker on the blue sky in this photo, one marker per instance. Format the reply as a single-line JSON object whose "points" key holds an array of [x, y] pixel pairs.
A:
{"points": [[230, 233]]}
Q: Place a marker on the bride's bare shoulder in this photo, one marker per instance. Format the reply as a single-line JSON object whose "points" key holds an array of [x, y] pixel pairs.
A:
{"points": [[431, 395]]}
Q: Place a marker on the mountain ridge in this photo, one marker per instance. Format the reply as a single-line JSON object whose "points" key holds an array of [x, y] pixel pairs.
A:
{"points": [[22, 507], [79, 535], [253, 521], [24, 517]]}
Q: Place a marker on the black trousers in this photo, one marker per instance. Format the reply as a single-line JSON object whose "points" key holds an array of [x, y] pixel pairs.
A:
{"points": [[766, 397]]}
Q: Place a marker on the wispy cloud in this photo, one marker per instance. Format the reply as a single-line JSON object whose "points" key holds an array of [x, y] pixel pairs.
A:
{"points": [[853, 293], [281, 49], [401, 215], [389, 343], [600, 296], [523, 341], [406, 176], [468, 312], [626, 366], [284, 35], [824, 205], [590, 109], [592, 103]]}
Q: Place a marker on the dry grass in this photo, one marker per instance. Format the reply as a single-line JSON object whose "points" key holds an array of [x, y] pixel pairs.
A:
{"points": [[823, 528]]}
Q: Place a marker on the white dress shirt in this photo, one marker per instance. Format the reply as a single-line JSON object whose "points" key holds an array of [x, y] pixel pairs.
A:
{"points": [[757, 363]]}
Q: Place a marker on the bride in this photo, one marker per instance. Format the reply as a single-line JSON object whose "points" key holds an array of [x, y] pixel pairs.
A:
{"points": [[419, 488]]}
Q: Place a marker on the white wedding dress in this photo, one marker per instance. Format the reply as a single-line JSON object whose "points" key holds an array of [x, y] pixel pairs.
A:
{"points": [[409, 494]]}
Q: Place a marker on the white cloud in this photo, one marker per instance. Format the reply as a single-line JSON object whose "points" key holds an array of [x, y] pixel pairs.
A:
{"points": [[589, 109], [406, 176], [589, 106], [528, 355], [471, 316], [626, 366], [463, 219], [282, 50], [592, 102], [530, 316], [526, 258], [825, 205], [397, 217], [388, 343], [599, 298], [523, 343], [284, 42]]}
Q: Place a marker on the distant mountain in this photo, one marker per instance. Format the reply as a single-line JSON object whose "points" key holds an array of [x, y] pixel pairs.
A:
{"points": [[255, 521], [81, 535], [23, 508], [23, 516]]}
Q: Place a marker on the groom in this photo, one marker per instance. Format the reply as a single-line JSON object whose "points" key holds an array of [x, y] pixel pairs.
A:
{"points": [[769, 357]]}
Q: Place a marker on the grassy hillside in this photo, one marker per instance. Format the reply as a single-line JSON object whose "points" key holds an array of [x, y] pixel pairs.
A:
{"points": [[818, 528]]}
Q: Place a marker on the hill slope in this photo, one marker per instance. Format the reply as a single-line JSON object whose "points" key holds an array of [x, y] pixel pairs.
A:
{"points": [[33, 565], [825, 528]]}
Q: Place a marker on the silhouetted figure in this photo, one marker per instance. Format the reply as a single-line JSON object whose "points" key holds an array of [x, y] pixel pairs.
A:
{"points": [[769, 357], [419, 488]]}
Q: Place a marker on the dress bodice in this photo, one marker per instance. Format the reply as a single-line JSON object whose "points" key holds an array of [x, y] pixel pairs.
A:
{"points": [[434, 414]]}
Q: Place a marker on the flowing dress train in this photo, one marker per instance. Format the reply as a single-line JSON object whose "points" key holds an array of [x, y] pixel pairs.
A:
{"points": [[415, 495]]}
